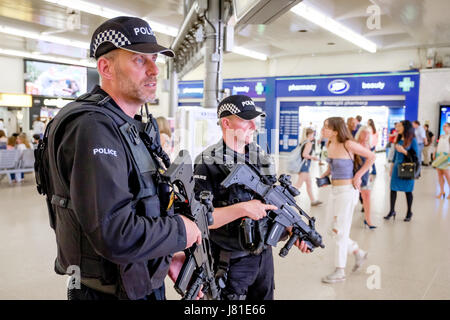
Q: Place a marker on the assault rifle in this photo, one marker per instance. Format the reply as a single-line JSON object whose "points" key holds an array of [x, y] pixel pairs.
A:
{"points": [[197, 270], [281, 196]]}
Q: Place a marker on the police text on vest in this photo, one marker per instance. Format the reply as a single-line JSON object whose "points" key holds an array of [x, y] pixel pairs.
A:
{"points": [[105, 151]]}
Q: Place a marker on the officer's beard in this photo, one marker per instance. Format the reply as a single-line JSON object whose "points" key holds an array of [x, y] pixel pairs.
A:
{"points": [[132, 90]]}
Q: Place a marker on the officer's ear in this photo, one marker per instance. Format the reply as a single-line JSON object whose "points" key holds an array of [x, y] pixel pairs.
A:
{"points": [[105, 67], [225, 123]]}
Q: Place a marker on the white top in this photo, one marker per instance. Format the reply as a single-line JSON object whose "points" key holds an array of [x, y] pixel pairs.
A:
{"points": [[2, 127], [420, 134], [444, 144], [38, 127], [21, 146]]}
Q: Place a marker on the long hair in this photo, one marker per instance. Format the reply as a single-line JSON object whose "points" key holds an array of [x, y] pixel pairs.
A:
{"points": [[363, 136], [343, 133], [407, 135], [12, 141], [372, 125], [24, 139], [164, 126]]}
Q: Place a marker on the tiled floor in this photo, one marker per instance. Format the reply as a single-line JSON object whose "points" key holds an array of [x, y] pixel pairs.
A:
{"points": [[406, 260]]}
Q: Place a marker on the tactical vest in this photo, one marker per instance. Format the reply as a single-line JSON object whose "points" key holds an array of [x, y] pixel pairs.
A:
{"points": [[231, 237], [73, 247]]}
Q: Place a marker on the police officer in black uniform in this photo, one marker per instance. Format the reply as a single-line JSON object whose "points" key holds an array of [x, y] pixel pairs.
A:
{"points": [[107, 205], [244, 263]]}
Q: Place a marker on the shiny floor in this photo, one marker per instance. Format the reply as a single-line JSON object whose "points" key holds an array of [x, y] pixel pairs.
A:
{"points": [[406, 260]]}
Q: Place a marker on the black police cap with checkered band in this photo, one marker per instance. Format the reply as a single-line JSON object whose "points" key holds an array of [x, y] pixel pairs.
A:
{"points": [[239, 105], [129, 33]]}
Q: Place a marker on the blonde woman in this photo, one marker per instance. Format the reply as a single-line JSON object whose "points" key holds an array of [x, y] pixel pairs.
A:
{"points": [[443, 168], [303, 175], [22, 143], [343, 151], [165, 135], [363, 138]]}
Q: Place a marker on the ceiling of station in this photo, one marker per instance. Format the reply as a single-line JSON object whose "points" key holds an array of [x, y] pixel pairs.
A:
{"points": [[403, 24]]}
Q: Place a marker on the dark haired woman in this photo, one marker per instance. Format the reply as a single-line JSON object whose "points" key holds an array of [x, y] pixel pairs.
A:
{"points": [[406, 142], [343, 152]]}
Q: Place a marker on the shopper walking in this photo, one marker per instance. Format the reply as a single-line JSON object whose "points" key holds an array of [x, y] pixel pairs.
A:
{"points": [[306, 157], [442, 160], [363, 138], [421, 139], [406, 143], [343, 158], [373, 141], [392, 138], [39, 127], [428, 146]]}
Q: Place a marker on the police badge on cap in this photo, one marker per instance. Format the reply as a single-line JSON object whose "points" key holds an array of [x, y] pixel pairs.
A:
{"points": [[240, 105], [128, 33]]}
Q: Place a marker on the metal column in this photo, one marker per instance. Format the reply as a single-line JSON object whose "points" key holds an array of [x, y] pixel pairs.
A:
{"points": [[173, 93], [212, 92]]}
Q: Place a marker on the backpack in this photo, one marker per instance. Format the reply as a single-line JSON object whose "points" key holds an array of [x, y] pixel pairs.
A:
{"points": [[295, 159]]}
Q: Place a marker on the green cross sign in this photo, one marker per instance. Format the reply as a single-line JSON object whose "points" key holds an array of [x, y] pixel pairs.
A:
{"points": [[259, 88], [406, 84]]}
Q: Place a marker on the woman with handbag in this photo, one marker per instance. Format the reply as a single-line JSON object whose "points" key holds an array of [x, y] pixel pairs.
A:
{"points": [[405, 147], [346, 173], [442, 160]]}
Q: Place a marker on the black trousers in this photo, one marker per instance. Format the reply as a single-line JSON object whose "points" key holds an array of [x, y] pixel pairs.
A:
{"points": [[252, 277], [86, 293]]}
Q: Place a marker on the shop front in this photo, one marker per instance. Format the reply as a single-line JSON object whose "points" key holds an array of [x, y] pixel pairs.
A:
{"points": [[306, 101]]}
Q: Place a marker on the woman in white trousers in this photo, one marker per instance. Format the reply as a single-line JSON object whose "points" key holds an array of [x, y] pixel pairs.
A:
{"points": [[343, 152]]}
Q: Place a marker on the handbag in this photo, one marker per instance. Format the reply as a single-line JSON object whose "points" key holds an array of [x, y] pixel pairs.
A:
{"points": [[440, 160], [323, 181], [408, 169]]}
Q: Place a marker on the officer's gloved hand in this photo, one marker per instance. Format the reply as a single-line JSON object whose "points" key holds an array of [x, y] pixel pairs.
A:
{"points": [[193, 233], [254, 209]]}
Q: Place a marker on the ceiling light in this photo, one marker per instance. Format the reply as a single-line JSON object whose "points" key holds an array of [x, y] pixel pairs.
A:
{"points": [[43, 37], [317, 17], [249, 53], [95, 9], [108, 13], [24, 54]]}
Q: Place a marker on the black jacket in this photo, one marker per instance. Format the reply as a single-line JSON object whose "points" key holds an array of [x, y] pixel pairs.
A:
{"points": [[108, 234]]}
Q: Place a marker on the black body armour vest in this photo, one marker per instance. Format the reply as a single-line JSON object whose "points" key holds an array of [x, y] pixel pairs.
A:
{"points": [[133, 280], [233, 237]]}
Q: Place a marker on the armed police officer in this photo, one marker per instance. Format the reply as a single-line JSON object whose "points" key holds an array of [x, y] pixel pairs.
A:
{"points": [[106, 202], [244, 263]]}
